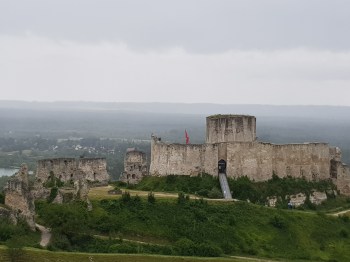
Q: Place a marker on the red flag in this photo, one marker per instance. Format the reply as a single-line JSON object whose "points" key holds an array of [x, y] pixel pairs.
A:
{"points": [[187, 137]]}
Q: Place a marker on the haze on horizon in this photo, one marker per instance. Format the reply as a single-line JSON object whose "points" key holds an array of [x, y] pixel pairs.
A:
{"points": [[226, 52]]}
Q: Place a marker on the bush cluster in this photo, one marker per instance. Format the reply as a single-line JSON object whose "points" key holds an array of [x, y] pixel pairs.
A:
{"points": [[204, 185]]}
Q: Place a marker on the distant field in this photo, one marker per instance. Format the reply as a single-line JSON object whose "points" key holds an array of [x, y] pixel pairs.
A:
{"points": [[37, 255]]}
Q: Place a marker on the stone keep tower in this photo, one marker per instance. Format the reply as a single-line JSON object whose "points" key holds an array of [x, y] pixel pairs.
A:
{"points": [[230, 128]]}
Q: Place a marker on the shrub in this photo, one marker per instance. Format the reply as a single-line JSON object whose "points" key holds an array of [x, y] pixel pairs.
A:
{"points": [[343, 233], [53, 194], [60, 241], [345, 218], [150, 198], [6, 230], [215, 193], [2, 198], [207, 250], [203, 192], [126, 197], [308, 204], [120, 184], [185, 247], [278, 222], [181, 199], [137, 199], [123, 248]]}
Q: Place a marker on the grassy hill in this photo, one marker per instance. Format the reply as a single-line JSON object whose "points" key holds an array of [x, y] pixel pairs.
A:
{"points": [[37, 255], [174, 224], [196, 228]]}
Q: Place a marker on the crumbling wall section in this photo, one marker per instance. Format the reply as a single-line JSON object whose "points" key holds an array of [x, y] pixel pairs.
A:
{"points": [[62, 168], [71, 169], [135, 166], [19, 198], [342, 179], [94, 169]]}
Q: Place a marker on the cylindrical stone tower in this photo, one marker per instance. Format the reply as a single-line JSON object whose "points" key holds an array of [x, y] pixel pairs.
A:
{"points": [[230, 128]]}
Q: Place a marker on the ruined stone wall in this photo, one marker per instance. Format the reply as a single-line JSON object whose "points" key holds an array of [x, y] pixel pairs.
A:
{"points": [[135, 167], [62, 168], [342, 178], [19, 198], [71, 169], [230, 128], [95, 169]]}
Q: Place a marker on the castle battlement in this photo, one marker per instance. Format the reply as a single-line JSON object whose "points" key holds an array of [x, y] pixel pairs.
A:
{"points": [[232, 139]]}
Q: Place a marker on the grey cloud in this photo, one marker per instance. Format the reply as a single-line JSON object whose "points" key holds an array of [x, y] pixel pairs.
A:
{"points": [[196, 25], [36, 68]]}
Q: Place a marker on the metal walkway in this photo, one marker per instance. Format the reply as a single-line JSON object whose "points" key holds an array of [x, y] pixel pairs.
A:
{"points": [[224, 186]]}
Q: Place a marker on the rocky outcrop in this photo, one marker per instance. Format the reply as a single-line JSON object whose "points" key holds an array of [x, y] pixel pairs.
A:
{"points": [[18, 196], [318, 197], [297, 200]]}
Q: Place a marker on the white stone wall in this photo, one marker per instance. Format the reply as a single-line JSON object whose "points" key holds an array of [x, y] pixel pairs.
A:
{"points": [[256, 160]]}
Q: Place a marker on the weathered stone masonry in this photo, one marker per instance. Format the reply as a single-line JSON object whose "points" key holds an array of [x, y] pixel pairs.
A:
{"points": [[66, 169], [135, 166], [233, 139], [19, 198]]}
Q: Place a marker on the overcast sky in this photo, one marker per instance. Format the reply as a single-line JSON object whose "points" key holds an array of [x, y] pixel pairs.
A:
{"points": [[232, 52]]}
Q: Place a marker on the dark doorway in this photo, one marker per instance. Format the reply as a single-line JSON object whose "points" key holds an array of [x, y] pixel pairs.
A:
{"points": [[222, 166]]}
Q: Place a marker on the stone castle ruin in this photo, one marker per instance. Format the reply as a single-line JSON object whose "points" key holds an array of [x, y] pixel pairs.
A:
{"points": [[19, 199], [93, 170], [57, 180], [72, 177], [232, 149], [135, 166]]}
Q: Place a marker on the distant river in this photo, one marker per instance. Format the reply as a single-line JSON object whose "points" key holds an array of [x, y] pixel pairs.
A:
{"points": [[7, 171]]}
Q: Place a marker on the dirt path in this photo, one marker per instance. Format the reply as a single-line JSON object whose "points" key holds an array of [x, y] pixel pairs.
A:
{"points": [[45, 235], [254, 259], [102, 193], [341, 212], [152, 243]]}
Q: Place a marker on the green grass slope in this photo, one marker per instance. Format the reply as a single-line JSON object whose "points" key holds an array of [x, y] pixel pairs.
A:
{"points": [[37, 255], [196, 228]]}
